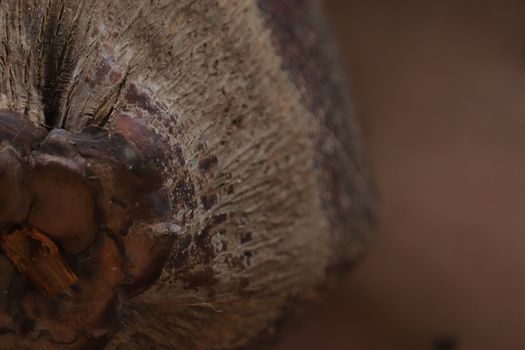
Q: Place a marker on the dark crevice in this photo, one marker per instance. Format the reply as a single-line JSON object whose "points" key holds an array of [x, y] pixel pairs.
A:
{"points": [[49, 75], [58, 65], [112, 99]]}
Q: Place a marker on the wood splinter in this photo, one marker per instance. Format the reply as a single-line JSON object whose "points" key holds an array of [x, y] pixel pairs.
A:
{"points": [[37, 258]]}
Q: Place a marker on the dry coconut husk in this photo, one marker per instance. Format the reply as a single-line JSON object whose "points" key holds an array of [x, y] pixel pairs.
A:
{"points": [[173, 174]]}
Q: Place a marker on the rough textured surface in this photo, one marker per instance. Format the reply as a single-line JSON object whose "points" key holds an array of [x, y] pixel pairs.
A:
{"points": [[263, 171], [309, 55]]}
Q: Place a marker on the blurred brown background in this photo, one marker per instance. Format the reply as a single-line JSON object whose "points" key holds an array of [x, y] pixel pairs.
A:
{"points": [[440, 88]]}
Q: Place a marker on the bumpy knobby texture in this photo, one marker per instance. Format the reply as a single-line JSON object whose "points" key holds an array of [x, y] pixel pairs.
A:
{"points": [[186, 171]]}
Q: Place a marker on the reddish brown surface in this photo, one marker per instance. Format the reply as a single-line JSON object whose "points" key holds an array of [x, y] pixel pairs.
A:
{"points": [[82, 220], [440, 87]]}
